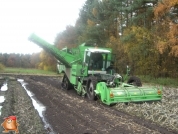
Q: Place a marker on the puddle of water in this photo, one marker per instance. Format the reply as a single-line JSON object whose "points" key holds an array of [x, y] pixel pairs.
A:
{"points": [[37, 105], [0, 110], [4, 87], [2, 99]]}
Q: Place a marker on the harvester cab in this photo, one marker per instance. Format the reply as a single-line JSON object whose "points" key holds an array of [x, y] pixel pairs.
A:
{"points": [[97, 60], [89, 71]]}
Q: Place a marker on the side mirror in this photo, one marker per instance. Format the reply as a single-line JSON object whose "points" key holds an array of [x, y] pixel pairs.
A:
{"points": [[79, 79], [128, 70]]}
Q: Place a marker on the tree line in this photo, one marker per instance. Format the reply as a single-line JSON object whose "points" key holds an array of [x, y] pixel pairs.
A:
{"points": [[41, 60], [20, 60], [142, 33]]}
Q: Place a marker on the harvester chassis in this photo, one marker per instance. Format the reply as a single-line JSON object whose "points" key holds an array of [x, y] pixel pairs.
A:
{"points": [[85, 69], [89, 84]]}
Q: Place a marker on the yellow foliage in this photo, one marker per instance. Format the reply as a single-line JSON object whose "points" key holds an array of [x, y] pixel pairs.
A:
{"points": [[173, 34], [161, 46], [40, 66], [45, 68], [141, 33], [139, 36], [43, 55], [168, 38], [159, 10], [95, 12], [90, 22], [175, 50], [113, 43], [164, 6], [173, 3], [47, 61], [113, 39], [1, 66]]}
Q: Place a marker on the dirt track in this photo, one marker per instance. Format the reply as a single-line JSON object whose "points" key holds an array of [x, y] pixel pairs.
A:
{"points": [[69, 113]]}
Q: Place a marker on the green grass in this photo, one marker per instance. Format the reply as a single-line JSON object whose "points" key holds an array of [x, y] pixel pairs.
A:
{"points": [[29, 71], [144, 79], [160, 81]]}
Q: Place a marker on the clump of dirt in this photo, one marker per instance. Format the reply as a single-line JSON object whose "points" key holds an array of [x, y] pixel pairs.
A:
{"points": [[18, 103]]}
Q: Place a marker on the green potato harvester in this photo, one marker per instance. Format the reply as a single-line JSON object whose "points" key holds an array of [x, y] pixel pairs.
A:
{"points": [[87, 69]]}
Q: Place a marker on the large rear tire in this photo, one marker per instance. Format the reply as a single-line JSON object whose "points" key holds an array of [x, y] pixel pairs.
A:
{"points": [[133, 80], [66, 83], [90, 89]]}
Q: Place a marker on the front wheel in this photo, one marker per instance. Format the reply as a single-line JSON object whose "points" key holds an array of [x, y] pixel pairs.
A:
{"points": [[134, 81], [90, 90], [66, 83]]}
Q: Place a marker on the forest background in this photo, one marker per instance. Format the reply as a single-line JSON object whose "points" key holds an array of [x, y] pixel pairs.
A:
{"points": [[142, 33]]}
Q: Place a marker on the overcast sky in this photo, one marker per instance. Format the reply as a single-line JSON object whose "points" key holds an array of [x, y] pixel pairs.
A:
{"points": [[46, 18]]}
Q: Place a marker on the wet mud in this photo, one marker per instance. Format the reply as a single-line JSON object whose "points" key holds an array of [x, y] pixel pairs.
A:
{"points": [[18, 103], [68, 113]]}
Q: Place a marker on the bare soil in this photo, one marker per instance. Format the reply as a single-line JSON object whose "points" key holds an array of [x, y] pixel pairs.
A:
{"points": [[68, 113]]}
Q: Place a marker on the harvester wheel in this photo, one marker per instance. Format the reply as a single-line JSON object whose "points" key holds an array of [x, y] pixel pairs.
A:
{"points": [[133, 80], [90, 90], [65, 83]]}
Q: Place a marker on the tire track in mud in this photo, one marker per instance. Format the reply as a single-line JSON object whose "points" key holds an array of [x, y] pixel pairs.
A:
{"points": [[69, 113], [66, 116], [18, 103]]}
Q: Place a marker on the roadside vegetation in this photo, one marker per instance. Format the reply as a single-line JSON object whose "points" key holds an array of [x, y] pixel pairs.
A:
{"points": [[2, 67], [29, 71], [171, 82], [145, 79]]}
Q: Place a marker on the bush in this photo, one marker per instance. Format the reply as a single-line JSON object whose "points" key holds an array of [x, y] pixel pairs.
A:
{"points": [[1, 67]]}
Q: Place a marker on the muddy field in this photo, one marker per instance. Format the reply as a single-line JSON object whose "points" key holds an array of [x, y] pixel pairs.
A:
{"points": [[67, 113]]}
